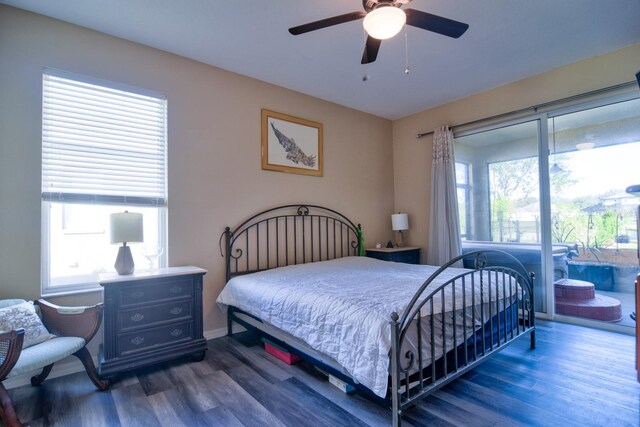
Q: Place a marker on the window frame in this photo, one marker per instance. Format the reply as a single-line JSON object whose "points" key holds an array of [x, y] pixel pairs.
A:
{"points": [[466, 187], [125, 203]]}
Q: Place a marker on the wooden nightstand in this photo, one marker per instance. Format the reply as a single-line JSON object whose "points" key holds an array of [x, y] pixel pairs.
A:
{"points": [[407, 254], [150, 317]]}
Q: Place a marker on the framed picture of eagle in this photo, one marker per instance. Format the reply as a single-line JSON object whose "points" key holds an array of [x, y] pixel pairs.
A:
{"points": [[291, 144]]}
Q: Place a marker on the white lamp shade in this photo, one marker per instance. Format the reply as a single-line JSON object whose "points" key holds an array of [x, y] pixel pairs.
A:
{"points": [[126, 227], [400, 222], [384, 22]]}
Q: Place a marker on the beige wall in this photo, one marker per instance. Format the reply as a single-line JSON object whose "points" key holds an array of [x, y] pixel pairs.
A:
{"points": [[215, 178], [412, 157]]}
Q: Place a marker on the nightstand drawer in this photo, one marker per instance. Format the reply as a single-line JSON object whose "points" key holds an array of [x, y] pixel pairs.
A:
{"points": [[407, 255], [146, 316], [155, 337], [173, 288]]}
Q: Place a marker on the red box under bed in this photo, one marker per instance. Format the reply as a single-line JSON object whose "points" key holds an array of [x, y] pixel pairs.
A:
{"points": [[280, 353]]}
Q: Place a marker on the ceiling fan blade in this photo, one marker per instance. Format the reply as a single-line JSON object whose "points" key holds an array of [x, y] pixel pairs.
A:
{"points": [[435, 23], [370, 50], [324, 23]]}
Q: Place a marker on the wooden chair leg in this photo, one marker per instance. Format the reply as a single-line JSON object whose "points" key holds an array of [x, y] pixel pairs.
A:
{"points": [[85, 357], [7, 413], [37, 379]]}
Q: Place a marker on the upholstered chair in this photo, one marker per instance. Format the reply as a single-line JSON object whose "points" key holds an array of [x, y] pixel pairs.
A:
{"points": [[68, 330]]}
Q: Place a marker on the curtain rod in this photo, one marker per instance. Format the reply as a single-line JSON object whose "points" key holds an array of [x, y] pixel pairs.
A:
{"points": [[537, 107]]}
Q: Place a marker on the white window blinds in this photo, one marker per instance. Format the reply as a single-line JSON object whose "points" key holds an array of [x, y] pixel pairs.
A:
{"points": [[101, 144]]}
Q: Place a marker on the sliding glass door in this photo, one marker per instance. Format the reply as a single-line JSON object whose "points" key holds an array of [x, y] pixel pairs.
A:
{"points": [[502, 210], [597, 158], [550, 190]]}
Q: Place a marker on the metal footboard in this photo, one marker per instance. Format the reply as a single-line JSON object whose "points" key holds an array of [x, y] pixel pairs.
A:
{"points": [[454, 326]]}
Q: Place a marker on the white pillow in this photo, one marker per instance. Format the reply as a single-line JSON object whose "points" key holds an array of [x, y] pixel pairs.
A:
{"points": [[24, 316]]}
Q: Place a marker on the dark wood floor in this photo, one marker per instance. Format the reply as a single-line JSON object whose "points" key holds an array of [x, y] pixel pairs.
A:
{"points": [[576, 377]]}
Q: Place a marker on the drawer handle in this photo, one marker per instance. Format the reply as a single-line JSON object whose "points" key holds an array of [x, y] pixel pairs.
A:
{"points": [[175, 289], [137, 294], [176, 332], [137, 317], [137, 340], [176, 310]]}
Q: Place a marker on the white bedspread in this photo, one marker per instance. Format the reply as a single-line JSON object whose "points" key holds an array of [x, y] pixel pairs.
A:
{"points": [[340, 307]]}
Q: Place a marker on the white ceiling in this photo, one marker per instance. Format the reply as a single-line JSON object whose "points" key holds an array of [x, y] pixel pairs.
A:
{"points": [[507, 40]]}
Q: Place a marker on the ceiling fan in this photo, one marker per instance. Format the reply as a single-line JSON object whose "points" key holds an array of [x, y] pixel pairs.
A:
{"points": [[384, 19]]}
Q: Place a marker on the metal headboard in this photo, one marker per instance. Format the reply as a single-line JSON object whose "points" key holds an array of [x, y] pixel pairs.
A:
{"points": [[289, 235]]}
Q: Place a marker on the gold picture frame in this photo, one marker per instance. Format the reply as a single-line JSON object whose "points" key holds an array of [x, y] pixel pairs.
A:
{"points": [[291, 144]]}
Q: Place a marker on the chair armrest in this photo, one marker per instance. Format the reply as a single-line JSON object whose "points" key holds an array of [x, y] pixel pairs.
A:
{"points": [[10, 349], [71, 321]]}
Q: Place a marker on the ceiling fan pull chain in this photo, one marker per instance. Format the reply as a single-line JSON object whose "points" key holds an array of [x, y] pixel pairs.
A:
{"points": [[407, 70]]}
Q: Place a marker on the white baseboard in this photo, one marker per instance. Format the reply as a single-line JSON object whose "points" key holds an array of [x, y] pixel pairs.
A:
{"points": [[71, 364]]}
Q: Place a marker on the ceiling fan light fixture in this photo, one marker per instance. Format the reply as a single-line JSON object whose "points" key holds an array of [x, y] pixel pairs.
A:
{"points": [[384, 22]]}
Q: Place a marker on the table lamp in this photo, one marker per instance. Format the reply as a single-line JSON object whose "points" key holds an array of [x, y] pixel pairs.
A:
{"points": [[400, 223], [126, 227]]}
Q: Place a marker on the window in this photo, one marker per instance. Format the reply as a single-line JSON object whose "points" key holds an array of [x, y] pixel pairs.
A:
{"points": [[464, 192], [103, 151], [504, 205], [514, 200]]}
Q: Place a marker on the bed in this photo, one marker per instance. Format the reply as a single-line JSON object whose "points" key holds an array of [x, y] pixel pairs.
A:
{"points": [[396, 332]]}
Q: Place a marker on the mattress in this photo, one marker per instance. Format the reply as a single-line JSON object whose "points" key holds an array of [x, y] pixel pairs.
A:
{"points": [[341, 308]]}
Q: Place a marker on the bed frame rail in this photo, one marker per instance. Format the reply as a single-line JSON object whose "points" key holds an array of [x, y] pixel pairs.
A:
{"points": [[469, 317]]}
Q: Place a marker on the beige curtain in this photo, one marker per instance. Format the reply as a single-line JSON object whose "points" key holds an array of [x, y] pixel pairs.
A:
{"points": [[444, 228]]}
